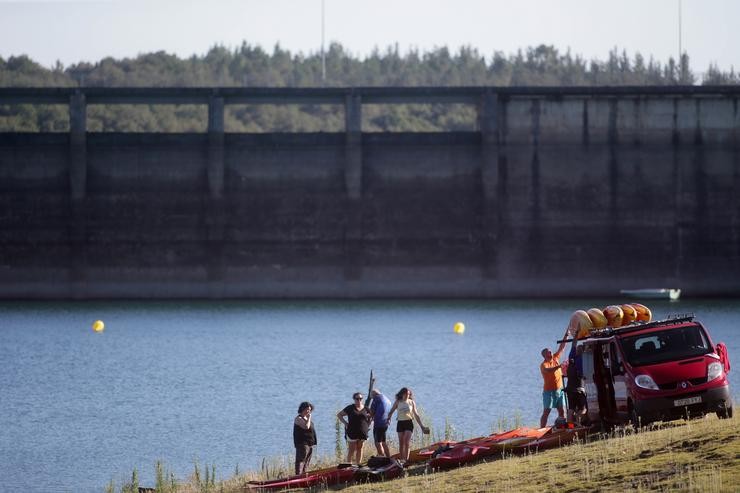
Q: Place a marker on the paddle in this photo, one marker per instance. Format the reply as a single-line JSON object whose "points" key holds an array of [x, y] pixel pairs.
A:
{"points": [[370, 389]]}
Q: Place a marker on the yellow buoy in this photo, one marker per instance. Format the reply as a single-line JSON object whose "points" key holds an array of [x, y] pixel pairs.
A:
{"points": [[98, 326], [459, 328]]}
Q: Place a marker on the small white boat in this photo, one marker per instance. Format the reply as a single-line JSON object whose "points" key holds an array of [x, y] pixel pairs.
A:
{"points": [[653, 293]]}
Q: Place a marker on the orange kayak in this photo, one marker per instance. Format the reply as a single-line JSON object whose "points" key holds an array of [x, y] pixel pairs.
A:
{"points": [[554, 437], [509, 440], [477, 448]]}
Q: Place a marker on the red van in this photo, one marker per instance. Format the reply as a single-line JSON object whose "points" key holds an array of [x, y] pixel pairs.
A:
{"points": [[660, 370]]}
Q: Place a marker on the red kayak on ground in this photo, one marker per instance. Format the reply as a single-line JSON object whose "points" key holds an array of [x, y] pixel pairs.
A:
{"points": [[331, 476], [514, 441], [459, 455]]}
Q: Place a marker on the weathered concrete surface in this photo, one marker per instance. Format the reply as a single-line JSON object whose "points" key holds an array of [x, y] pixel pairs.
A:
{"points": [[566, 196]]}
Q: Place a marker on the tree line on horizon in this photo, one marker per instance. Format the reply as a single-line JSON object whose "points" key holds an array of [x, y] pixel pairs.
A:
{"points": [[252, 66]]}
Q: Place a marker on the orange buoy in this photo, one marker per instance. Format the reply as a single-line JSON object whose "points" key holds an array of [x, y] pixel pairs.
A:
{"points": [[580, 324], [643, 313], [597, 318], [629, 314], [614, 315]]}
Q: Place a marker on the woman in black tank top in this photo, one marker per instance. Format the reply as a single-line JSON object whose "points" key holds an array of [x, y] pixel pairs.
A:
{"points": [[304, 437]]}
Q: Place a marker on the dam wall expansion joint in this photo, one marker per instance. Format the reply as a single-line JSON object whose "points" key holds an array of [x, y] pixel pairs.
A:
{"points": [[555, 191]]}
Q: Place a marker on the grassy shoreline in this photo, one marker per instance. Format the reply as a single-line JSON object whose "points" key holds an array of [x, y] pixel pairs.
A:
{"points": [[698, 455]]}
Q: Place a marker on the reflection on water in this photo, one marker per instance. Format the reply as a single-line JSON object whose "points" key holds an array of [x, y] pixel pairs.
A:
{"points": [[220, 382]]}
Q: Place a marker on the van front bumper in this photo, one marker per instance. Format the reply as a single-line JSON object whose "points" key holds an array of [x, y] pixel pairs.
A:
{"points": [[676, 406]]}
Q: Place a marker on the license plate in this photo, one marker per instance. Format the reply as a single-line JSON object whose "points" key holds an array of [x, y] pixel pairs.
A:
{"points": [[686, 402]]}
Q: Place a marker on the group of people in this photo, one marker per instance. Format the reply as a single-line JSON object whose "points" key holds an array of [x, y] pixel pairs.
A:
{"points": [[554, 396], [356, 418]]}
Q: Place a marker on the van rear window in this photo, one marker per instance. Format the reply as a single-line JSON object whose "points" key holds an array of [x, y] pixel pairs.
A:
{"points": [[665, 345]]}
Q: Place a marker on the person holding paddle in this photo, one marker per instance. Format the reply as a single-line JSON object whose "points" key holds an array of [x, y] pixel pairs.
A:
{"points": [[406, 408]]}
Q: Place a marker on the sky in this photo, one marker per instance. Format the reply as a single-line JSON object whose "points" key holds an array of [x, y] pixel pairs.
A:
{"points": [[90, 30]]}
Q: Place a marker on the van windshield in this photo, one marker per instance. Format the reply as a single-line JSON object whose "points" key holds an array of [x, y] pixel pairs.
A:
{"points": [[666, 345]]}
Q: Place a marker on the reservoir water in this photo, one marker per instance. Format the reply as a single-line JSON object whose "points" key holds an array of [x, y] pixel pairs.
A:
{"points": [[220, 382]]}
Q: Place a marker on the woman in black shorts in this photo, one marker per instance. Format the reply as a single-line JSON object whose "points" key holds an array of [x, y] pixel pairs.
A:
{"points": [[356, 426], [406, 408]]}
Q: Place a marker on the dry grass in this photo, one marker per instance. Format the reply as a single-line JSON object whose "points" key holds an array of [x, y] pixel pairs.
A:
{"points": [[700, 456]]}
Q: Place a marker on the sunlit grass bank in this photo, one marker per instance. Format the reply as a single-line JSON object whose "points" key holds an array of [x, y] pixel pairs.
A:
{"points": [[700, 455]]}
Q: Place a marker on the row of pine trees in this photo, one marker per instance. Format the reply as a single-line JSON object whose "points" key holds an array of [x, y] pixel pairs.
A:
{"points": [[252, 66]]}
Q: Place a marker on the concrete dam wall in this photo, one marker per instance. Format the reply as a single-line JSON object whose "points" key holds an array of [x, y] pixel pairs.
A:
{"points": [[559, 192]]}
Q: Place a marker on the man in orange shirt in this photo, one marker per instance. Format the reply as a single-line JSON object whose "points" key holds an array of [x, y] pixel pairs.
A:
{"points": [[552, 391]]}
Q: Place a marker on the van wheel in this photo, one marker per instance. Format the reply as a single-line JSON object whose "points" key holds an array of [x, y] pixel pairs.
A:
{"points": [[638, 422], [725, 412]]}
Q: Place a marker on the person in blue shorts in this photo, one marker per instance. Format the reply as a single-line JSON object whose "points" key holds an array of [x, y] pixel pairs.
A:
{"points": [[552, 390]]}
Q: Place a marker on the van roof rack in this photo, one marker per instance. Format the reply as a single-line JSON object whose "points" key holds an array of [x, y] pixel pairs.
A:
{"points": [[669, 320]]}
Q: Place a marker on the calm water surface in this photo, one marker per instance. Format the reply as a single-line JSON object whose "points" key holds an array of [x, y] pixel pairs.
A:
{"points": [[220, 382]]}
